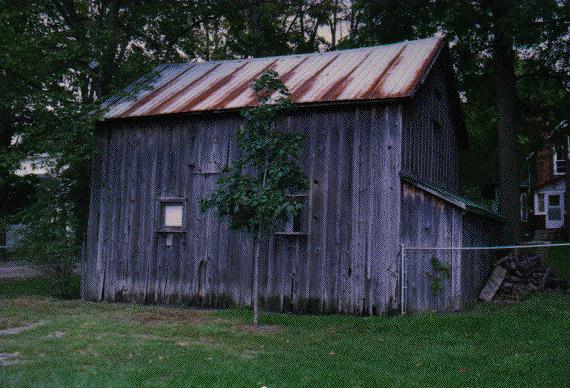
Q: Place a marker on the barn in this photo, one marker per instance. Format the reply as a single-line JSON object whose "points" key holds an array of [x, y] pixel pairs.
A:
{"points": [[383, 129]]}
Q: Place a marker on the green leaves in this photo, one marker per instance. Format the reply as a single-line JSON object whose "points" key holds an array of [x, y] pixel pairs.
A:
{"points": [[440, 273], [253, 192]]}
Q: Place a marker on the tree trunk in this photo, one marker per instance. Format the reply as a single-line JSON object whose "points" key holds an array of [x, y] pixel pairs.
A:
{"points": [[505, 94], [255, 285], [257, 252], [255, 24], [334, 25]]}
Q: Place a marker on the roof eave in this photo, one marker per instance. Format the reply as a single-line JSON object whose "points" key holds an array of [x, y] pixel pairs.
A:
{"points": [[324, 104], [453, 201]]}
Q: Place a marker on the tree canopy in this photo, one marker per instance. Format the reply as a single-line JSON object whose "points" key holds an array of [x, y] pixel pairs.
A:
{"points": [[59, 59]]}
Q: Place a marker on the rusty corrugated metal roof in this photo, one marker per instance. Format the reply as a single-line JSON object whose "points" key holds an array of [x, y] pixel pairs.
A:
{"points": [[371, 73]]}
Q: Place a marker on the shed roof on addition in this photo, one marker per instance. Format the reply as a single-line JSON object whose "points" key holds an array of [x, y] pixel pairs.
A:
{"points": [[453, 199], [373, 73]]}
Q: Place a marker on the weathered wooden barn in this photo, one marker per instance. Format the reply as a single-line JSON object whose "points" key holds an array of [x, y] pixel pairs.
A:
{"points": [[383, 130]]}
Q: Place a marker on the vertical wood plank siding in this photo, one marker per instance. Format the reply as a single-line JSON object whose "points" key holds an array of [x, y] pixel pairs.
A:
{"points": [[476, 268], [431, 154], [347, 261], [429, 221]]}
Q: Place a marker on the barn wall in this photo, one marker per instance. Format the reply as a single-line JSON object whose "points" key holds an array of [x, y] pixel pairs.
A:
{"points": [[428, 221], [346, 262], [476, 265], [431, 154]]}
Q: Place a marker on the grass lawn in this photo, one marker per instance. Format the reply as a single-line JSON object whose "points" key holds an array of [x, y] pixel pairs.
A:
{"points": [[82, 343], [35, 286]]}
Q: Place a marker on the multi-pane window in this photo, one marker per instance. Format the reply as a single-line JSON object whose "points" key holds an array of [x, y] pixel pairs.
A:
{"points": [[560, 155], [559, 162]]}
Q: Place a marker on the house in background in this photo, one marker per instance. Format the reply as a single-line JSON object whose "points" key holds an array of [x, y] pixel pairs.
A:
{"points": [[383, 129], [544, 204]]}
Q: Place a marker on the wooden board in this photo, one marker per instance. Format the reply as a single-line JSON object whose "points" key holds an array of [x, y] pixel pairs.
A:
{"points": [[493, 284], [346, 261]]}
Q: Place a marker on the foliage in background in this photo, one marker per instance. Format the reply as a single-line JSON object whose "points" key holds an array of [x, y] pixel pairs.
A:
{"points": [[59, 59], [49, 238], [254, 193]]}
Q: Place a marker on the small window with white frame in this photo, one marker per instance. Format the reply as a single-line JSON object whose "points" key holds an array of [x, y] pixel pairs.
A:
{"points": [[539, 203], [171, 215], [559, 160]]}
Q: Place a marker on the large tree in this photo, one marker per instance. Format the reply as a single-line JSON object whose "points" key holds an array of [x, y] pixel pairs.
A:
{"points": [[59, 60], [521, 48]]}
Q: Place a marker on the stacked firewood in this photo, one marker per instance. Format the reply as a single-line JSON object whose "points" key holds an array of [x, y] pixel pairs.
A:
{"points": [[517, 275]]}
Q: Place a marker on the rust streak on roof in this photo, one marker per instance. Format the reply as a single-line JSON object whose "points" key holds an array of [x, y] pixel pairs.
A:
{"points": [[300, 91], [338, 87], [154, 93], [166, 102], [212, 89], [284, 78], [387, 72], [242, 87], [378, 81], [423, 68]]}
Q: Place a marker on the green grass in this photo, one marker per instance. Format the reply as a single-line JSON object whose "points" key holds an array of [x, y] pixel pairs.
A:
{"points": [[36, 286], [122, 345], [559, 259]]}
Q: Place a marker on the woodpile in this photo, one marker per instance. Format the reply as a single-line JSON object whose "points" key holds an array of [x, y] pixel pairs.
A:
{"points": [[518, 275]]}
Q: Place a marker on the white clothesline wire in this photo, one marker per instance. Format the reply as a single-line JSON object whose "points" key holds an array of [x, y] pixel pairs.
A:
{"points": [[500, 247]]}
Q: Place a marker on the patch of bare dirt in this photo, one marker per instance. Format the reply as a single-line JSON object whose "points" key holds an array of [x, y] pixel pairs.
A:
{"points": [[9, 359], [163, 315], [265, 329], [19, 329], [331, 329], [56, 334], [249, 354], [29, 302]]}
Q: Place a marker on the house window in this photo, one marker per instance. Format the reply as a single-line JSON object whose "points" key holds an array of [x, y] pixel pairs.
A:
{"points": [[559, 163], [172, 215], [539, 206], [524, 207]]}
